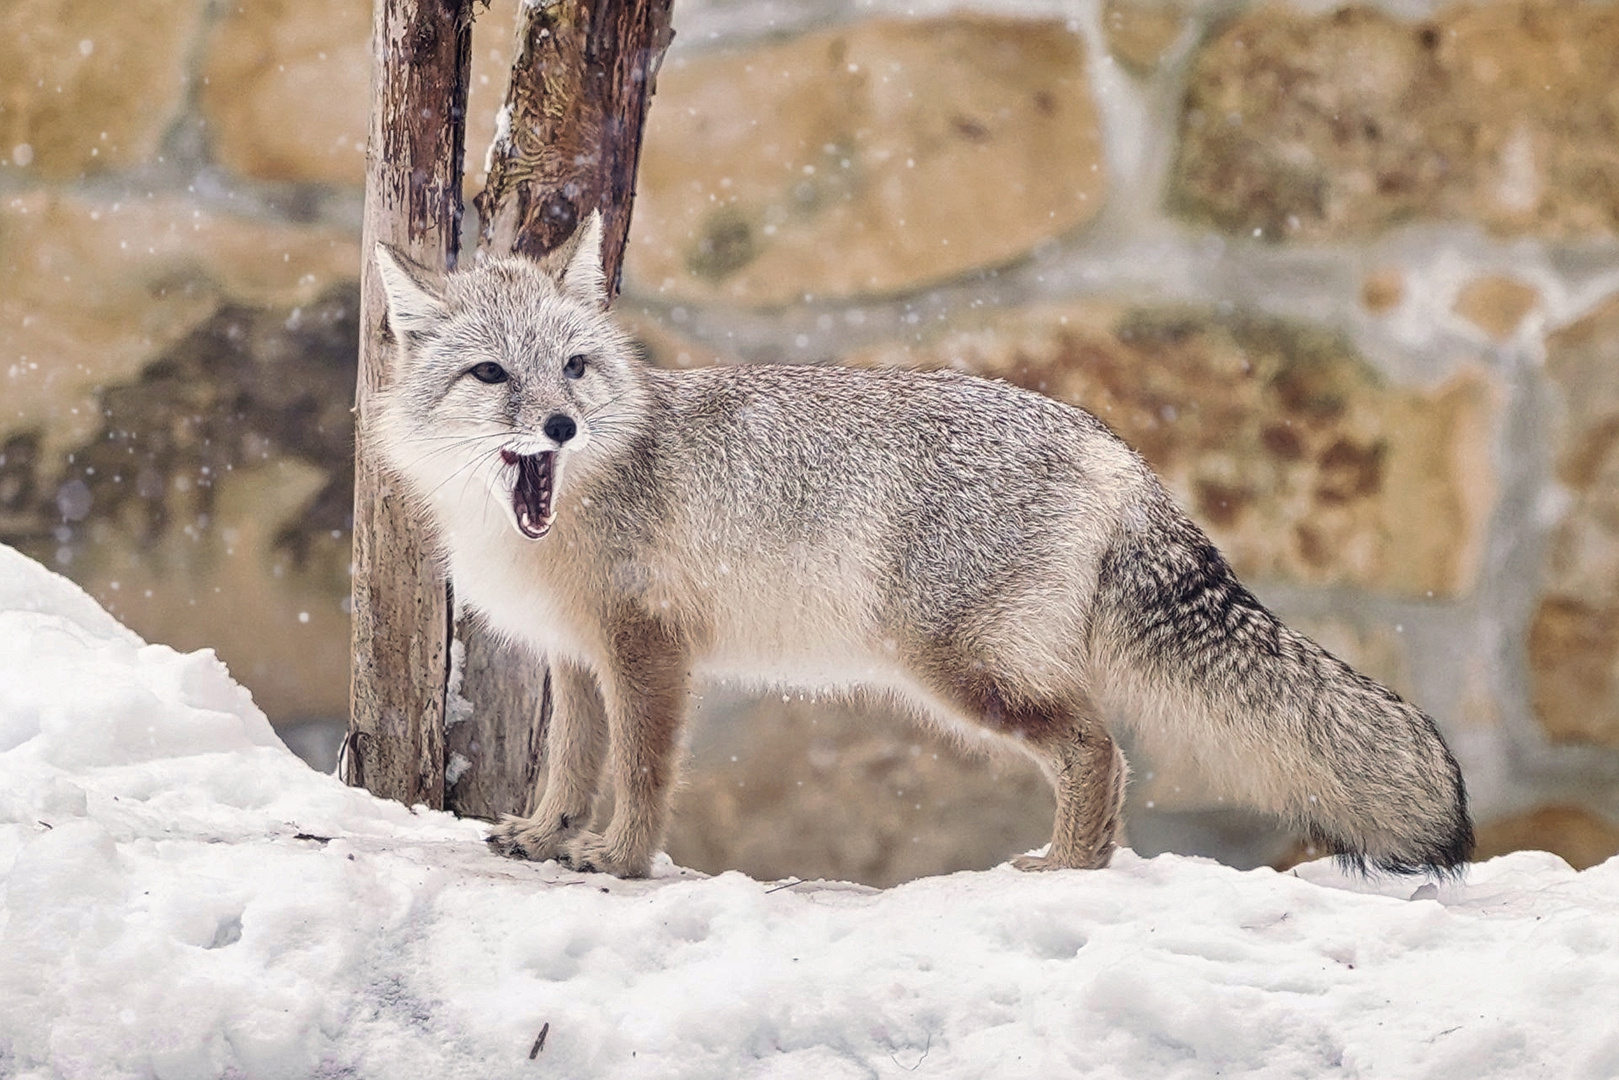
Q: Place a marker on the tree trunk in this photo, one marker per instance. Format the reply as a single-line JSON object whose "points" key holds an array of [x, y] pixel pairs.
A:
{"points": [[576, 103], [421, 52]]}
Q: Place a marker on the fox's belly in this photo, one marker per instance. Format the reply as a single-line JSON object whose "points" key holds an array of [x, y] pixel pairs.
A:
{"points": [[819, 665], [797, 634]]}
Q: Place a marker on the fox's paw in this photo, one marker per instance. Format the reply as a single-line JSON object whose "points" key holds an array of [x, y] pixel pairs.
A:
{"points": [[1096, 861], [522, 838], [1035, 862], [590, 853]]}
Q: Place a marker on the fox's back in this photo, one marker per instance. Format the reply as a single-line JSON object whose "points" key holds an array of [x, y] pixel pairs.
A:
{"points": [[818, 510]]}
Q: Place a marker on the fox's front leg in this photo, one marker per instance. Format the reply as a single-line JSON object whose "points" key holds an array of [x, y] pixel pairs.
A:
{"points": [[645, 690], [576, 744]]}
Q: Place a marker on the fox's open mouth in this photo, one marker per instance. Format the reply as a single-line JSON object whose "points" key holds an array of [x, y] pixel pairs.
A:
{"points": [[532, 494]]}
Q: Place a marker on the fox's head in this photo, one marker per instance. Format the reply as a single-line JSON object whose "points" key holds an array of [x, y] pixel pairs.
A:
{"points": [[507, 379]]}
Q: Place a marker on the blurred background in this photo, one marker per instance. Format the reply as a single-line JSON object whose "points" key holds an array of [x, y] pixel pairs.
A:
{"points": [[1347, 276]]}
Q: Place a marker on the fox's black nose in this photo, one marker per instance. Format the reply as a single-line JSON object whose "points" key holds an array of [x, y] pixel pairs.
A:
{"points": [[559, 427]]}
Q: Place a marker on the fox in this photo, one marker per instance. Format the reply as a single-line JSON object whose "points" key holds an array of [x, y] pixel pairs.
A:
{"points": [[998, 561]]}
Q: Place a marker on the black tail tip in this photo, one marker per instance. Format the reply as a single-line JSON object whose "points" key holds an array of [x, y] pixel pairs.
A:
{"points": [[1444, 857]]}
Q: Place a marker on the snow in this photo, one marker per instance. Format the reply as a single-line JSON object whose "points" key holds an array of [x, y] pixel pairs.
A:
{"points": [[183, 898]]}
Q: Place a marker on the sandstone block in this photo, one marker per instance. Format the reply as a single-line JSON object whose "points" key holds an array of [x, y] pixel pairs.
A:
{"points": [[1323, 126], [214, 481], [1496, 304], [1382, 291], [87, 87], [225, 579], [287, 90], [1581, 838], [1278, 438], [1140, 32], [1574, 635], [92, 291], [662, 345], [128, 413], [871, 159]]}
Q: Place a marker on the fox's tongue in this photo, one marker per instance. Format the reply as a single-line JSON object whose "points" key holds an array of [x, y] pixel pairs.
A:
{"points": [[531, 495]]}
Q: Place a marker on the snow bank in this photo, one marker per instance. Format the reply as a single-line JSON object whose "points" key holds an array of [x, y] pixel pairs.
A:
{"points": [[182, 898]]}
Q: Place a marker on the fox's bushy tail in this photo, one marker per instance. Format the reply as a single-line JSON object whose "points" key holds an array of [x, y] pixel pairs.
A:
{"points": [[1186, 656]]}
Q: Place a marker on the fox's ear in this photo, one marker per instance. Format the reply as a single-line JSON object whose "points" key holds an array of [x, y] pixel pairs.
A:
{"points": [[413, 304], [576, 264]]}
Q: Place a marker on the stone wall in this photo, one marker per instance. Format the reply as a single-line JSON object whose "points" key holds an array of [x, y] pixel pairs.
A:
{"points": [[1349, 278]]}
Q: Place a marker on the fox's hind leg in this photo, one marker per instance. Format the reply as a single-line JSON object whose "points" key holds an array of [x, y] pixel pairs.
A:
{"points": [[1089, 774], [1062, 734], [575, 744]]}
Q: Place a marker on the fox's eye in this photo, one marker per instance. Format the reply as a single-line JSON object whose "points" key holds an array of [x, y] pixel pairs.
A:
{"points": [[574, 368], [488, 372]]}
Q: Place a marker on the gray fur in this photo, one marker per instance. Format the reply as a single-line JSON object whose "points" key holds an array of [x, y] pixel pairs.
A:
{"points": [[997, 559]]}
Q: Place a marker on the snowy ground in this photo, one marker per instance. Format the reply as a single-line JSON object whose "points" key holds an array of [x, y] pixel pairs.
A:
{"points": [[184, 898]]}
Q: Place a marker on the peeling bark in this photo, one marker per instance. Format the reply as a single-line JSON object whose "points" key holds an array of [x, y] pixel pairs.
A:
{"points": [[581, 83], [421, 53], [576, 104]]}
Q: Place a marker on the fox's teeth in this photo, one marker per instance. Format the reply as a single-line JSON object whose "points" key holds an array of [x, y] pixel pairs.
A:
{"points": [[532, 491]]}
